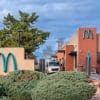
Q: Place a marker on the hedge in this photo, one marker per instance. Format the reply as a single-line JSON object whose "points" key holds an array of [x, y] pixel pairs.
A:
{"points": [[70, 76], [5, 98], [64, 86], [29, 85], [19, 82], [22, 96]]}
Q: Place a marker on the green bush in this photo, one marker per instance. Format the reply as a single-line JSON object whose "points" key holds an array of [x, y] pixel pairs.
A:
{"points": [[64, 86], [25, 75], [70, 76], [29, 85], [20, 81], [4, 98], [2, 90], [22, 96]]}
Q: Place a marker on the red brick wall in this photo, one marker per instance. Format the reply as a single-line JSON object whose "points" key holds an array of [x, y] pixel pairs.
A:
{"points": [[61, 58], [60, 55], [69, 59], [86, 45]]}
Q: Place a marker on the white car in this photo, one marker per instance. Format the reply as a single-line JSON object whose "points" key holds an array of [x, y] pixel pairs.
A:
{"points": [[52, 66]]}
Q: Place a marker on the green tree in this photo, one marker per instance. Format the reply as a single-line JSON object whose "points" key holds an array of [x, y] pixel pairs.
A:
{"points": [[22, 32]]}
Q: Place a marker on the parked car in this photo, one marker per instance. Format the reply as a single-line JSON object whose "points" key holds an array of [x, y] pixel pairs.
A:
{"points": [[52, 66]]}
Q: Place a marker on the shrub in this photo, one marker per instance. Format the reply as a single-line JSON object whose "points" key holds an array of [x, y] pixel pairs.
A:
{"points": [[64, 86], [23, 75], [4, 98], [20, 81], [2, 90], [22, 96], [70, 76], [23, 81]]}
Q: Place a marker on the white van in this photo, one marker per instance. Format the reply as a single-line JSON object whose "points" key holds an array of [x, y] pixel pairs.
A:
{"points": [[52, 66]]}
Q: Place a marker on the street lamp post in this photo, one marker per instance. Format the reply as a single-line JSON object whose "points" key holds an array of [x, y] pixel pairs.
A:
{"points": [[19, 31]]}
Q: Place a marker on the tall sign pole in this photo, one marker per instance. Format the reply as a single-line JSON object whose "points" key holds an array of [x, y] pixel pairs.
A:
{"points": [[19, 36], [88, 64]]}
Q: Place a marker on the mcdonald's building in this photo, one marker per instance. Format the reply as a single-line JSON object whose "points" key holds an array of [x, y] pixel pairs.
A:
{"points": [[12, 59], [73, 55]]}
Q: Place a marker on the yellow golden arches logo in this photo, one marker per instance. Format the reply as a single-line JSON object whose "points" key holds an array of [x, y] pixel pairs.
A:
{"points": [[6, 59]]}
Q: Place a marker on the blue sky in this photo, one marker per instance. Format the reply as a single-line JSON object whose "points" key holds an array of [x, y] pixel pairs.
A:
{"points": [[60, 17]]}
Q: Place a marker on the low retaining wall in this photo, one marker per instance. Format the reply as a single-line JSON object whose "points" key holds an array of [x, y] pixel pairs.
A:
{"points": [[20, 62]]}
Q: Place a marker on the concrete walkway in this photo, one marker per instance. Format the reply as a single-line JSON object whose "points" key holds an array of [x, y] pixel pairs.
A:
{"points": [[96, 82], [95, 77]]}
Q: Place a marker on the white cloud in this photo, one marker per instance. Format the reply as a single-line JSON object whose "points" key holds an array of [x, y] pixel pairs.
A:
{"points": [[5, 12], [60, 17]]}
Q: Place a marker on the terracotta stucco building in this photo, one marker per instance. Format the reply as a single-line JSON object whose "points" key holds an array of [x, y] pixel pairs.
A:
{"points": [[73, 55]]}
